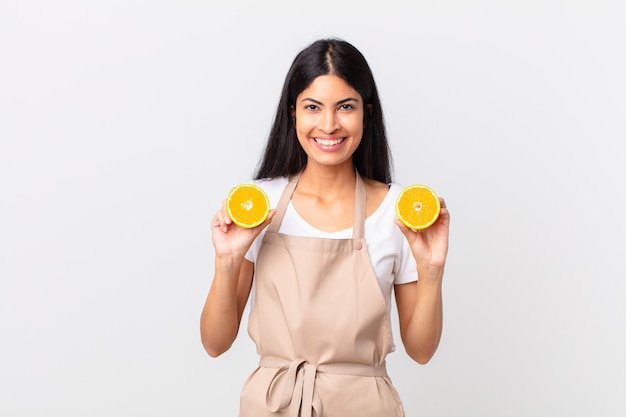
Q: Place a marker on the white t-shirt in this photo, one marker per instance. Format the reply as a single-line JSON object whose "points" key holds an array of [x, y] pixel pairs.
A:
{"points": [[389, 251]]}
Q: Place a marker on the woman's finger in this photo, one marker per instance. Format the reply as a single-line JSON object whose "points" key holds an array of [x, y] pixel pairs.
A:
{"points": [[218, 221], [226, 217]]}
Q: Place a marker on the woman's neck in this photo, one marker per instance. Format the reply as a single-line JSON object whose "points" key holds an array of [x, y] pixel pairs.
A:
{"points": [[327, 181]]}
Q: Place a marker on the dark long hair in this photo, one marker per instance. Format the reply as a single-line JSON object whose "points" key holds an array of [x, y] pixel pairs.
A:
{"points": [[283, 155]]}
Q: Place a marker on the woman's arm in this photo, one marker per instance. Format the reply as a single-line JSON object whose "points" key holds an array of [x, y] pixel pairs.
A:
{"points": [[227, 298], [228, 295], [420, 312], [420, 305]]}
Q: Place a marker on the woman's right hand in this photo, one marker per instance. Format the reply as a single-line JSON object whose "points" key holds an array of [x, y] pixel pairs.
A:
{"points": [[230, 239]]}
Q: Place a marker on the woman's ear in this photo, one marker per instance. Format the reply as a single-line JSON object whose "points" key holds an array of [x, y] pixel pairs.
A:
{"points": [[292, 112]]}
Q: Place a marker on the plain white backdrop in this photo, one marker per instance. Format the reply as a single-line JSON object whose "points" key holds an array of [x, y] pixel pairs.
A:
{"points": [[123, 124]]}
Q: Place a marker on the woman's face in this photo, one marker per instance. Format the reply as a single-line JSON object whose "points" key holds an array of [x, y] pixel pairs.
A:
{"points": [[329, 121]]}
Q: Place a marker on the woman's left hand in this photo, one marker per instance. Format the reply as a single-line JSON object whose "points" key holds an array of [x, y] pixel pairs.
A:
{"points": [[430, 245]]}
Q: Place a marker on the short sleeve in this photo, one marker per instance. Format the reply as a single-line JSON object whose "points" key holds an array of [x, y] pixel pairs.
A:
{"points": [[406, 268]]}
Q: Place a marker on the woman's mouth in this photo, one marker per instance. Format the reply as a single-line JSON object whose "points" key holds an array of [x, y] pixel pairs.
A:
{"points": [[328, 142]]}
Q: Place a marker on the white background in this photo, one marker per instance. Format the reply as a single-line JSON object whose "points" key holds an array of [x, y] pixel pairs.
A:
{"points": [[124, 123]]}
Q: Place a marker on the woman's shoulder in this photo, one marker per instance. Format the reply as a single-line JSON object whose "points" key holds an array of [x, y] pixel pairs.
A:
{"points": [[395, 188], [376, 194], [384, 204], [270, 183], [381, 191], [273, 187], [382, 188]]}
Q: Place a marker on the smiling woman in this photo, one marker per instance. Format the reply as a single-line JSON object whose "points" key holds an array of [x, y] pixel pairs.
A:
{"points": [[329, 121], [320, 271]]}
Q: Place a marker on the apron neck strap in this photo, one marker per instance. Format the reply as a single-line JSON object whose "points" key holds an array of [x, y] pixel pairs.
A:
{"points": [[359, 206], [358, 231], [281, 207]]}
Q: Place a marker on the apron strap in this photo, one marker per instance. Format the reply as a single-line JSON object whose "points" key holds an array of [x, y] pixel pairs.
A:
{"points": [[358, 230], [359, 206], [281, 207]]}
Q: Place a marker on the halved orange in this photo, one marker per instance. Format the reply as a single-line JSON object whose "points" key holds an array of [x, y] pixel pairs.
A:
{"points": [[417, 206], [248, 205]]}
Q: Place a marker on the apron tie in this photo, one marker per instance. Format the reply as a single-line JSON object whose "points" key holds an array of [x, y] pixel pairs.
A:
{"points": [[299, 386], [298, 390]]}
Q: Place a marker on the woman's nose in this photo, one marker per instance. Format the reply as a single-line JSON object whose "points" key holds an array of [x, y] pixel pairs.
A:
{"points": [[329, 122]]}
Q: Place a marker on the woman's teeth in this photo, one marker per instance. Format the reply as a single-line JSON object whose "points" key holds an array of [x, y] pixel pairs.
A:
{"points": [[328, 142]]}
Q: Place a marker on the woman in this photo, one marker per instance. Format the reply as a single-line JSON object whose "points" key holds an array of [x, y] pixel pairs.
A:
{"points": [[320, 271]]}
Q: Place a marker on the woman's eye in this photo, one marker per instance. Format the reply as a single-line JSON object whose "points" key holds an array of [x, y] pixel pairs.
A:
{"points": [[310, 107], [347, 107]]}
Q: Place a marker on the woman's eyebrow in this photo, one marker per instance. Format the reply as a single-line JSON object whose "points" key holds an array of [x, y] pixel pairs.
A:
{"points": [[342, 101], [311, 99], [345, 100]]}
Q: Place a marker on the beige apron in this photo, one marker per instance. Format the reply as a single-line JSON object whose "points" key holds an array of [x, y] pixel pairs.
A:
{"points": [[321, 326]]}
